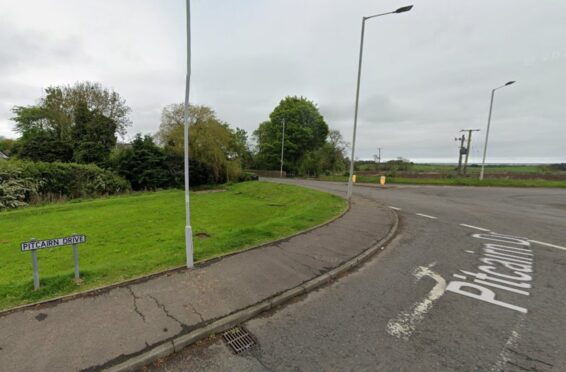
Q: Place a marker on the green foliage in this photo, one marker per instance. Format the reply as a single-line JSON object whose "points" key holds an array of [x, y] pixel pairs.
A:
{"points": [[305, 131], [38, 144], [14, 189], [34, 182], [143, 164], [212, 143], [142, 233], [94, 136], [85, 115], [7, 145]]}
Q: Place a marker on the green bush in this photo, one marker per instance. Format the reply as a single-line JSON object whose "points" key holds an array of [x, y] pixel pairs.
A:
{"points": [[14, 190], [34, 182]]}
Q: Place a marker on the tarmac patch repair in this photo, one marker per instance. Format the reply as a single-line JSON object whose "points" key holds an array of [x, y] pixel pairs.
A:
{"points": [[507, 264]]}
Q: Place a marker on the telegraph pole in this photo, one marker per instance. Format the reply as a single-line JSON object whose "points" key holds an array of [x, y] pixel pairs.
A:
{"points": [[469, 146], [461, 152], [379, 156]]}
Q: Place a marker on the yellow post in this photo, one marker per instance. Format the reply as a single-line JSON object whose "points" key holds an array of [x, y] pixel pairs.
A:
{"points": [[382, 180], [354, 178]]}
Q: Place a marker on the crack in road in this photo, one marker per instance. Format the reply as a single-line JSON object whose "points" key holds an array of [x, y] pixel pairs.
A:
{"points": [[167, 313], [196, 312], [136, 298]]}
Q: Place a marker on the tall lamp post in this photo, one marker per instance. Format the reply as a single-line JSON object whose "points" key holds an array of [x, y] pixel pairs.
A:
{"points": [[488, 125], [364, 19], [188, 228], [282, 149]]}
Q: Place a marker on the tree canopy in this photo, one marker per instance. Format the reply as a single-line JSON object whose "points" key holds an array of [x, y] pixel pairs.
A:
{"points": [[79, 122], [305, 131], [211, 141]]}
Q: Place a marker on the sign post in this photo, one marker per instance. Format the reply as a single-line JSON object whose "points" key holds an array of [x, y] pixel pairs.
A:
{"points": [[76, 256], [34, 245], [35, 269]]}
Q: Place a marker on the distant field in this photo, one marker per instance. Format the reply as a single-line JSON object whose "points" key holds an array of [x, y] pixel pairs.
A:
{"points": [[488, 169], [457, 181], [129, 236]]}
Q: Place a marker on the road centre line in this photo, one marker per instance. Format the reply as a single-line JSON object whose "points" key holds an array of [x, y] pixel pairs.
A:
{"points": [[474, 227], [548, 244], [392, 207], [426, 216]]}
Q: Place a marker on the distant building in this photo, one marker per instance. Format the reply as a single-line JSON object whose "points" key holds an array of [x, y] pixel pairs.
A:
{"points": [[3, 156]]}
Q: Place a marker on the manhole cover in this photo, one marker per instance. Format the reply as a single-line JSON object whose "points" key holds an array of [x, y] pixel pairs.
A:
{"points": [[239, 339]]}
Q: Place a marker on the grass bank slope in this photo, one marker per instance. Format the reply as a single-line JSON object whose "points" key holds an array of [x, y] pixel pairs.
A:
{"points": [[128, 236]]}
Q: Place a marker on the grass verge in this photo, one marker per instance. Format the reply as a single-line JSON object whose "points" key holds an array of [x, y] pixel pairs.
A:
{"points": [[138, 234], [456, 181]]}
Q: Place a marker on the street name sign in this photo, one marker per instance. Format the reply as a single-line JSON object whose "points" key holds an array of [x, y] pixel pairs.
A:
{"points": [[52, 243], [34, 245]]}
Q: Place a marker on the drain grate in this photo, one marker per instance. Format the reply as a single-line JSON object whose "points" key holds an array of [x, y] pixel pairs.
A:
{"points": [[239, 339]]}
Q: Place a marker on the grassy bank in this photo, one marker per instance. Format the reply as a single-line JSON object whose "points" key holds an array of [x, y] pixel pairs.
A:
{"points": [[129, 236], [456, 181]]}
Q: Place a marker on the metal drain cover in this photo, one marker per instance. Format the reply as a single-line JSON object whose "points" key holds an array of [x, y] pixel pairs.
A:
{"points": [[239, 339]]}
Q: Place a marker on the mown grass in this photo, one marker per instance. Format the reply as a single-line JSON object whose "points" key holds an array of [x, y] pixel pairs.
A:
{"points": [[129, 236], [455, 181]]}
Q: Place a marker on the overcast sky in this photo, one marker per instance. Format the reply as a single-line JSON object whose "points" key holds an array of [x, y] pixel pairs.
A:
{"points": [[427, 73]]}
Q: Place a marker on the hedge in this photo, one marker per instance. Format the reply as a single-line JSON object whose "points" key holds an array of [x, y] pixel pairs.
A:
{"points": [[26, 182]]}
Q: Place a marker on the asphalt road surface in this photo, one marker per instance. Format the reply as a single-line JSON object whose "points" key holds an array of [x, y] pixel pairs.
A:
{"points": [[474, 281]]}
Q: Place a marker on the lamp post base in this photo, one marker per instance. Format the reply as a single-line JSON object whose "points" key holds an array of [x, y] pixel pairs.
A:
{"points": [[189, 246]]}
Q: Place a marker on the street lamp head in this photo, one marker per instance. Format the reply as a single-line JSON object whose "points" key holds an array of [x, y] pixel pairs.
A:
{"points": [[404, 9], [510, 82]]}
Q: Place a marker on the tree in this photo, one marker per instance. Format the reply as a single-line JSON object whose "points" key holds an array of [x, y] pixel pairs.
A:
{"points": [[85, 114], [143, 164], [7, 145], [305, 131], [94, 136], [211, 141], [42, 145]]}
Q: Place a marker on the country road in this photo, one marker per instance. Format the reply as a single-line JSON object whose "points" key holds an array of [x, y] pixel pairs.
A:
{"points": [[474, 280]]}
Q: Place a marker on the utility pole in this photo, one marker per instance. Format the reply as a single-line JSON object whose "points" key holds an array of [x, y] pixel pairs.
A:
{"points": [[469, 146], [282, 149], [379, 156], [461, 152]]}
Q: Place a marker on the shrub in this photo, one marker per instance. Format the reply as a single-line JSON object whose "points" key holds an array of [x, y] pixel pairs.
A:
{"points": [[33, 182]]}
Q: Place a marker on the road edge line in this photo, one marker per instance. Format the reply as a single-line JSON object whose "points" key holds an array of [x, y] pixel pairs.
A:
{"points": [[240, 316]]}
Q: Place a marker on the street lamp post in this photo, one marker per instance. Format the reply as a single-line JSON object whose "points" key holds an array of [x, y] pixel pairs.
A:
{"points": [[364, 19], [282, 149], [488, 125], [188, 228]]}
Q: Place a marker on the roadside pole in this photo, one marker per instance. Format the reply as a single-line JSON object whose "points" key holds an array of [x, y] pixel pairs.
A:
{"points": [[282, 149], [188, 228], [35, 269], [460, 152], [468, 147]]}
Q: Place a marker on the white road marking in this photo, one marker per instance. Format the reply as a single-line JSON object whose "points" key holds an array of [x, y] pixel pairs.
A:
{"points": [[470, 252], [459, 276], [392, 207], [548, 244], [426, 216], [405, 323], [474, 227]]}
